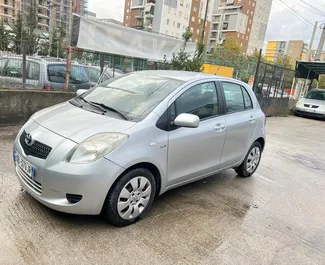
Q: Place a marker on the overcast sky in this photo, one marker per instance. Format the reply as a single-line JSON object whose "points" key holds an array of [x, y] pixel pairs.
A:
{"points": [[284, 24]]}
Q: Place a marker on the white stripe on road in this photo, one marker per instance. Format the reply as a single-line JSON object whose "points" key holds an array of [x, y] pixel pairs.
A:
{"points": [[264, 178]]}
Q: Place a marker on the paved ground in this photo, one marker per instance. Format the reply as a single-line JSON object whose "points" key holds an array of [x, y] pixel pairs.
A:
{"points": [[275, 217]]}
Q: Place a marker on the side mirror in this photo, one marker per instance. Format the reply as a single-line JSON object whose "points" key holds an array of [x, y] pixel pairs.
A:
{"points": [[187, 120], [81, 91]]}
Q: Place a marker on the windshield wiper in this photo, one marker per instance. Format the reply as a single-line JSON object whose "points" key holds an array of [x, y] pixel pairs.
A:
{"points": [[92, 104], [105, 108]]}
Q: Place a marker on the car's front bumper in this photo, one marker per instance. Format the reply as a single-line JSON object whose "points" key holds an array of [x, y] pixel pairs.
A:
{"points": [[54, 178], [310, 112]]}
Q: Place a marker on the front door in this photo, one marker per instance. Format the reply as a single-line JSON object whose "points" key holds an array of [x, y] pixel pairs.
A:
{"points": [[241, 123], [193, 152]]}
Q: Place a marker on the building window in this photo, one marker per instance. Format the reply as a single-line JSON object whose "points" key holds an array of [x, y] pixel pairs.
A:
{"points": [[249, 2], [126, 25], [242, 37], [252, 12], [238, 35], [128, 10], [246, 37], [173, 23], [128, 3], [166, 32], [192, 29], [248, 29], [181, 3], [167, 22], [247, 11], [169, 10], [180, 13], [193, 19], [178, 25], [241, 44], [194, 9], [127, 17]]}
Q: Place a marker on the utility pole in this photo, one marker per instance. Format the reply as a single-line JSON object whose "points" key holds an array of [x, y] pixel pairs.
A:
{"points": [[311, 42], [321, 43], [204, 21]]}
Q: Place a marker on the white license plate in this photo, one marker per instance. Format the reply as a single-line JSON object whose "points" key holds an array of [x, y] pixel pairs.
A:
{"points": [[24, 165], [309, 110]]}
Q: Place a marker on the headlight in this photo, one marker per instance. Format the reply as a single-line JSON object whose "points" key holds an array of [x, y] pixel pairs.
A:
{"points": [[95, 147], [299, 104], [322, 107]]}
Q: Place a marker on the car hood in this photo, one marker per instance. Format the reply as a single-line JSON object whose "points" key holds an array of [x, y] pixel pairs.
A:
{"points": [[313, 102], [78, 124]]}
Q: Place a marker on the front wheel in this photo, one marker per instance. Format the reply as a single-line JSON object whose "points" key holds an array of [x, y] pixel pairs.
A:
{"points": [[130, 198], [251, 161]]}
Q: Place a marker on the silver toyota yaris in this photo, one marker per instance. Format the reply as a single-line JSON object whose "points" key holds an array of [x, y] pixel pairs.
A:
{"points": [[112, 149]]}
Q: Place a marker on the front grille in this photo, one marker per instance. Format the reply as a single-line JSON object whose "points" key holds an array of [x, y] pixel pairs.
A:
{"points": [[37, 149], [312, 106], [33, 184]]}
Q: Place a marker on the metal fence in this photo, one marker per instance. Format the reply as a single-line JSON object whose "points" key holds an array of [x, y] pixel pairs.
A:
{"points": [[45, 67], [273, 86]]}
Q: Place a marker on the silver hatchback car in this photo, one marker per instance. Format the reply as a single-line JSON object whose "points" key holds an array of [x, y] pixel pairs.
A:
{"points": [[112, 149]]}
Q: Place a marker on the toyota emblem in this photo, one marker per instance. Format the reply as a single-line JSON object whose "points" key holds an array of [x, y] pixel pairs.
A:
{"points": [[28, 139]]}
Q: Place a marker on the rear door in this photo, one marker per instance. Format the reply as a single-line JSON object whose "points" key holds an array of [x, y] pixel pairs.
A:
{"points": [[241, 122]]}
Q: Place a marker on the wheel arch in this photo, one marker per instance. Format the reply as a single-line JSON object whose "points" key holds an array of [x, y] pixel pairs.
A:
{"points": [[149, 166]]}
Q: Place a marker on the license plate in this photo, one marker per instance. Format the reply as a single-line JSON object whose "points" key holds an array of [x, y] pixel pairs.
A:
{"points": [[24, 165], [310, 110]]}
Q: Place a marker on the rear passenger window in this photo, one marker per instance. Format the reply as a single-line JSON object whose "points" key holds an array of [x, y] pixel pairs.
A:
{"points": [[237, 97], [234, 97]]}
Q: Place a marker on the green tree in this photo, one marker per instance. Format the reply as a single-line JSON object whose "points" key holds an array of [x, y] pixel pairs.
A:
{"points": [[31, 38], [183, 60], [4, 37], [18, 34], [321, 82], [286, 61]]}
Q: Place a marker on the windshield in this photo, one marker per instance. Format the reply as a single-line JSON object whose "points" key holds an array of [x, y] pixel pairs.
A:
{"points": [[134, 95], [318, 95]]}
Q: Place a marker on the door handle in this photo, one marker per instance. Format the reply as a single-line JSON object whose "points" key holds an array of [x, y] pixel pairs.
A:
{"points": [[252, 119], [220, 127]]}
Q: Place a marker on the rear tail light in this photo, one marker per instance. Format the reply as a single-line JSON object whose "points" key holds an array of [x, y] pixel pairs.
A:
{"points": [[48, 88]]}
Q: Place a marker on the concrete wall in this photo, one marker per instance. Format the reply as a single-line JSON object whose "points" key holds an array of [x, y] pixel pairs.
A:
{"points": [[17, 106]]}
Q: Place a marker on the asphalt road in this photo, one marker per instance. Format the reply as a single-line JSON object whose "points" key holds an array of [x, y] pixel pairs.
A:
{"points": [[275, 217]]}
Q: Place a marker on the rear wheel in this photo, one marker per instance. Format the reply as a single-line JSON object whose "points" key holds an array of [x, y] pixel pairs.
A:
{"points": [[251, 161], [130, 198]]}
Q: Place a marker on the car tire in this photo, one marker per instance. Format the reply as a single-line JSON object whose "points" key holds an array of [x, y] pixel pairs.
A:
{"points": [[251, 161], [130, 197]]}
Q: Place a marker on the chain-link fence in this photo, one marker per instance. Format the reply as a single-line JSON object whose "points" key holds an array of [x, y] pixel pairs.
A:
{"points": [[45, 67]]}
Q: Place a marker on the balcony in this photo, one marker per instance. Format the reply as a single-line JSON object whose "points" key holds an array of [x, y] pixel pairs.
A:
{"points": [[151, 2]]}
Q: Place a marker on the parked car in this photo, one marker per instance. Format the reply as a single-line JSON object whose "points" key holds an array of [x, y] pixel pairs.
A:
{"points": [[41, 74], [94, 74], [113, 148], [312, 105]]}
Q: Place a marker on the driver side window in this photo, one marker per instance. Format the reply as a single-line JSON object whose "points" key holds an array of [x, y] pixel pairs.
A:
{"points": [[200, 100]]}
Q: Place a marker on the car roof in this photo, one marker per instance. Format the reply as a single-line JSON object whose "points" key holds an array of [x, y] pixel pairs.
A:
{"points": [[181, 75]]}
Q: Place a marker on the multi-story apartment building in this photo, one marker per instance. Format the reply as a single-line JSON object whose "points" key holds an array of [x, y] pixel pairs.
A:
{"points": [[296, 49], [9, 10], [244, 20], [51, 13], [169, 17]]}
